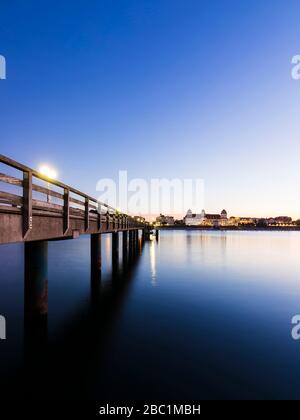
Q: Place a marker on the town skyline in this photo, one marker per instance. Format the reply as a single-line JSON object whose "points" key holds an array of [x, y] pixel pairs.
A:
{"points": [[195, 219], [255, 216]]}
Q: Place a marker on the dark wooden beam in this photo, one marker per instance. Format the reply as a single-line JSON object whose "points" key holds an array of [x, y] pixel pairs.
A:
{"points": [[10, 180], [66, 210], [8, 198], [86, 210], [96, 255], [27, 203], [107, 220]]}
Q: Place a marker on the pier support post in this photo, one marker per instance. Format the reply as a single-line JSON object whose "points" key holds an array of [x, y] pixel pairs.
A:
{"points": [[96, 255], [125, 245], [146, 232], [157, 234], [35, 310], [131, 242], [115, 248], [36, 291], [36, 278], [95, 269]]}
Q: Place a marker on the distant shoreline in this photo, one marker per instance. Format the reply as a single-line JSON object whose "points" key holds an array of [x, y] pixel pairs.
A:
{"points": [[231, 228]]}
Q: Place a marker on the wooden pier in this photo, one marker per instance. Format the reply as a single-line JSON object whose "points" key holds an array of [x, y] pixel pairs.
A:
{"points": [[41, 213], [38, 214]]}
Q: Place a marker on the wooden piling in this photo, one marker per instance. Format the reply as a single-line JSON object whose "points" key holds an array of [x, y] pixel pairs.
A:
{"points": [[115, 247], [96, 255], [36, 293], [125, 243]]}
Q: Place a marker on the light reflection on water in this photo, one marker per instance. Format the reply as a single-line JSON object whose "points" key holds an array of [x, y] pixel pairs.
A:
{"points": [[152, 250], [216, 324]]}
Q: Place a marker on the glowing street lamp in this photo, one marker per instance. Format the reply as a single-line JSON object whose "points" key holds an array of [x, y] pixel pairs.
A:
{"points": [[48, 173]]}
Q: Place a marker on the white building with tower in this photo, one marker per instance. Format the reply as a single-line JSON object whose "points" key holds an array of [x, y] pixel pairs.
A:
{"points": [[194, 219]]}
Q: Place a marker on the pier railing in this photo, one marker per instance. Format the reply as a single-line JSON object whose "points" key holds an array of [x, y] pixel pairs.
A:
{"points": [[58, 200]]}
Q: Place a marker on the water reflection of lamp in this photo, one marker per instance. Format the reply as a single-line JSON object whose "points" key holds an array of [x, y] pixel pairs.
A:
{"points": [[108, 246]]}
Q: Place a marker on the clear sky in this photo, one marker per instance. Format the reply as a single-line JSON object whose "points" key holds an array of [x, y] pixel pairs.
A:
{"points": [[162, 88]]}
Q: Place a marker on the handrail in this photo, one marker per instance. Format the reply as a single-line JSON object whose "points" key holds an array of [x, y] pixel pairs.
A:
{"points": [[25, 169]]}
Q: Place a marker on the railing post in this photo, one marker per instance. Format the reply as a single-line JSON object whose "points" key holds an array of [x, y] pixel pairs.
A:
{"points": [[66, 223], [99, 216], [27, 203], [86, 213], [107, 220]]}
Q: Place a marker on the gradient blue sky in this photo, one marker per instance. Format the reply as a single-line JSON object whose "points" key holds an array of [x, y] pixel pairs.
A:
{"points": [[162, 88]]}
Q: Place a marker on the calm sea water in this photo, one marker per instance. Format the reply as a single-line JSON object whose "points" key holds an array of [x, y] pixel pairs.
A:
{"points": [[197, 315]]}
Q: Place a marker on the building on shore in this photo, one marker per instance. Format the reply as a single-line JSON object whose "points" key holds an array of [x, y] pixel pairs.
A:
{"points": [[280, 221], [193, 219], [206, 219], [219, 220], [163, 220], [246, 221]]}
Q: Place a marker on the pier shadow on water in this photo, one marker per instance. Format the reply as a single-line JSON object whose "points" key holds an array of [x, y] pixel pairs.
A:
{"points": [[67, 366]]}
